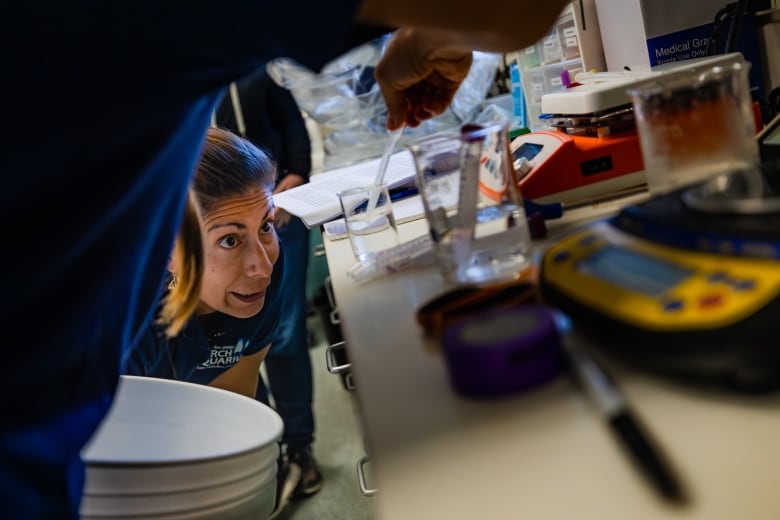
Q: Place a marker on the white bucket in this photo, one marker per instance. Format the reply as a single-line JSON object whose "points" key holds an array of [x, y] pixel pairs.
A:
{"points": [[176, 450]]}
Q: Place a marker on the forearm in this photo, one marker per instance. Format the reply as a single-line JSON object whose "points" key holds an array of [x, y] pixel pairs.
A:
{"points": [[462, 25]]}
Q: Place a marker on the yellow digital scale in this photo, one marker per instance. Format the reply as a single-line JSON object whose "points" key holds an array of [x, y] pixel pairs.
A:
{"points": [[705, 315], [678, 287]]}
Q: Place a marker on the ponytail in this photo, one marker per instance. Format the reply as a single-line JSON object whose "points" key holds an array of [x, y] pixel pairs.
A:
{"points": [[183, 295]]}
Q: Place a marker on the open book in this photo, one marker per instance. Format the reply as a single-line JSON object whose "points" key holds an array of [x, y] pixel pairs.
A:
{"points": [[317, 201]]}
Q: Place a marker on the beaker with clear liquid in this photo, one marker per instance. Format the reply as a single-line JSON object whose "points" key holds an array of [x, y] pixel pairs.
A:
{"points": [[472, 204]]}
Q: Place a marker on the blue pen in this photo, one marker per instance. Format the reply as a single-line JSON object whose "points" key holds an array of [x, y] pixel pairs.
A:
{"points": [[403, 193], [395, 194]]}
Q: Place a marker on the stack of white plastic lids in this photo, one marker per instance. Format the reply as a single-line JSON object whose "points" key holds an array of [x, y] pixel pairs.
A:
{"points": [[172, 450]]}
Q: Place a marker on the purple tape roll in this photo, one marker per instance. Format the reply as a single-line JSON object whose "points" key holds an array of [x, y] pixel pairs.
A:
{"points": [[502, 351]]}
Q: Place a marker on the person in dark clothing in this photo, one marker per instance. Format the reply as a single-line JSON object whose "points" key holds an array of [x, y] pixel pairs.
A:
{"points": [[268, 115], [228, 261], [109, 104]]}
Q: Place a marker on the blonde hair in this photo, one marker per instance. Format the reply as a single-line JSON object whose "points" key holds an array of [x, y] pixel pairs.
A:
{"points": [[187, 260]]}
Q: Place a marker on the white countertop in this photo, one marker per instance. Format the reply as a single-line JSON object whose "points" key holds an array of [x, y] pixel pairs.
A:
{"points": [[544, 454]]}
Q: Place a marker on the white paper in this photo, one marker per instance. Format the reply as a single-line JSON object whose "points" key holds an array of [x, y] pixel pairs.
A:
{"points": [[317, 201]]}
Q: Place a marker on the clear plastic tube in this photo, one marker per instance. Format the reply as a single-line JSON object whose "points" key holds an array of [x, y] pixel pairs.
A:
{"points": [[415, 252]]}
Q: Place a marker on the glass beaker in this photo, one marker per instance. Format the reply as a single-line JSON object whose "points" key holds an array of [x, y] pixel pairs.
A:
{"points": [[696, 127], [472, 204], [371, 230]]}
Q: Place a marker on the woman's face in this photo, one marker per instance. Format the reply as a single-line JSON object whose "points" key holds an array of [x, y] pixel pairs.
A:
{"points": [[241, 248]]}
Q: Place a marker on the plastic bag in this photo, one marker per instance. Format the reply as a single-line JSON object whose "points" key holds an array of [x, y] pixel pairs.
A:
{"points": [[345, 100]]}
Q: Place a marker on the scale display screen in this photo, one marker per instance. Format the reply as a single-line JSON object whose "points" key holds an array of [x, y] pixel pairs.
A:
{"points": [[527, 151], [634, 271]]}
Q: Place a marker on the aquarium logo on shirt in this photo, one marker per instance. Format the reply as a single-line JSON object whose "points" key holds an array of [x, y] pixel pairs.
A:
{"points": [[225, 356]]}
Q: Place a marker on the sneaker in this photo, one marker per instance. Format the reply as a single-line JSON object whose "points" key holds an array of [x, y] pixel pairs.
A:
{"points": [[311, 478], [287, 481]]}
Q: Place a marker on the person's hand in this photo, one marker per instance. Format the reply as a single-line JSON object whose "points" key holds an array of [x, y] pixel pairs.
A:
{"points": [[418, 75], [281, 218], [291, 180]]}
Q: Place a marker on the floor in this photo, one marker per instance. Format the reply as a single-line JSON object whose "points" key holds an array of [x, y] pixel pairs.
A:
{"points": [[338, 445]]}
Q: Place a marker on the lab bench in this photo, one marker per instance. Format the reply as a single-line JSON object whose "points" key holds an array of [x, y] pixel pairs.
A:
{"points": [[541, 454]]}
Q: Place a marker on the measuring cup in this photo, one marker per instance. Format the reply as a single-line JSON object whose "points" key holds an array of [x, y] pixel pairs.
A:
{"points": [[472, 204]]}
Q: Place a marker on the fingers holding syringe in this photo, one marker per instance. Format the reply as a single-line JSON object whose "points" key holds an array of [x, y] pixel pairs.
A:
{"points": [[429, 98], [418, 77]]}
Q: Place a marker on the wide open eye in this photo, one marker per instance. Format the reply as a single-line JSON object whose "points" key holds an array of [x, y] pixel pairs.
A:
{"points": [[267, 227], [229, 242]]}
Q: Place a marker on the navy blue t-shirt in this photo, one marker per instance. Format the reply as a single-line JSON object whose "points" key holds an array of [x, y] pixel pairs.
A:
{"points": [[210, 344]]}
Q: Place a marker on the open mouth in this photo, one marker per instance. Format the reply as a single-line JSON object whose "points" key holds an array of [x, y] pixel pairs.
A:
{"points": [[249, 298]]}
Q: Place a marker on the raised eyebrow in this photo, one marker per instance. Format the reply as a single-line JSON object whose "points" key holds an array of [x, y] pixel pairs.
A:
{"points": [[227, 224], [238, 224]]}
